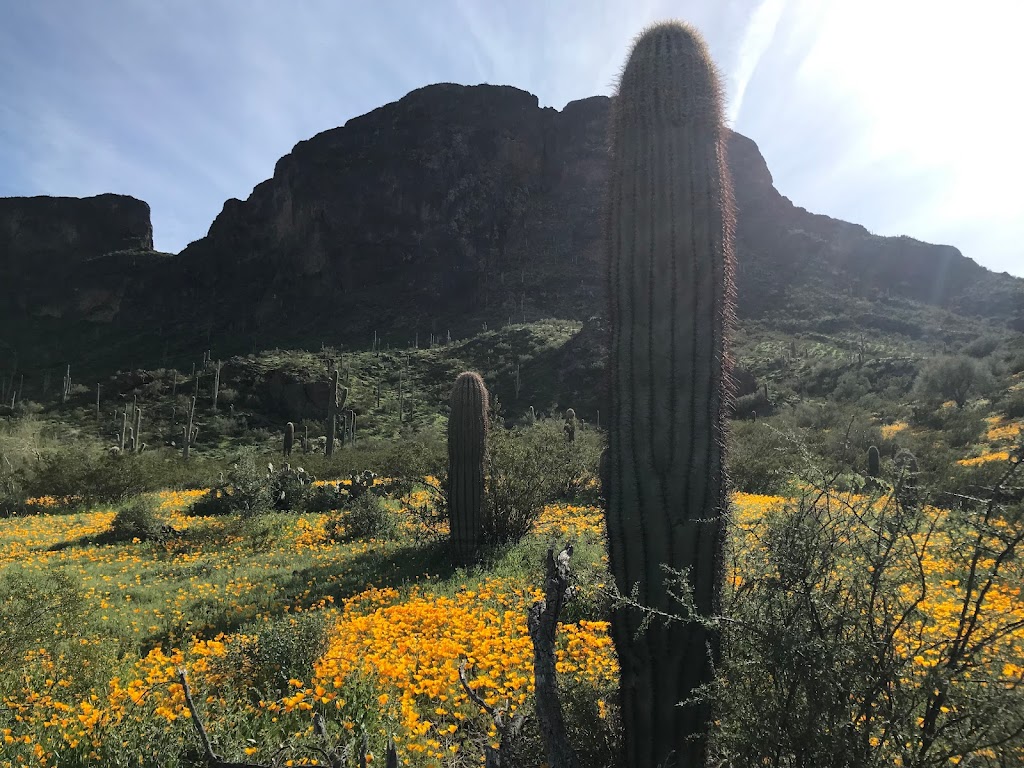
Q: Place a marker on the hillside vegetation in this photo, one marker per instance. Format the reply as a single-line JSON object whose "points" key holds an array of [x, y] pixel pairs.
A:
{"points": [[281, 610]]}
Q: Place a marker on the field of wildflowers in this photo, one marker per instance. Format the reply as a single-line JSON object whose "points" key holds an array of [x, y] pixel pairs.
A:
{"points": [[100, 687], [101, 690]]}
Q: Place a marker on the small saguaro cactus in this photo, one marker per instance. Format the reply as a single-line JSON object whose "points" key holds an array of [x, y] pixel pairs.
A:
{"points": [[138, 429], [216, 384], [189, 431], [570, 425], [669, 252], [873, 461], [467, 450], [336, 397], [66, 391], [289, 438], [124, 429]]}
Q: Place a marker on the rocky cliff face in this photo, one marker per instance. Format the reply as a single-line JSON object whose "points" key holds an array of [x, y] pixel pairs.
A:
{"points": [[451, 207], [53, 249], [463, 202], [453, 202]]}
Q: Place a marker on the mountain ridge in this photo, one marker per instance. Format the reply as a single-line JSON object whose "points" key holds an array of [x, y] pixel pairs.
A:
{"points": [[460, 205]]}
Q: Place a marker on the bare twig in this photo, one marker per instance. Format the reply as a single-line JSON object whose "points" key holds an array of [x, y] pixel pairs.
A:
{"points": [[212, 759], [508, 728]]}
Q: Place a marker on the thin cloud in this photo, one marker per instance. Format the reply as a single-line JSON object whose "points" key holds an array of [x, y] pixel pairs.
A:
{"points": [[757, 38]]}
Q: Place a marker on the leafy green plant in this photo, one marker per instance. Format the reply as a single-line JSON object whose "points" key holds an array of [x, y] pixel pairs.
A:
{"points": [[136, 520], [760, 458], [34, 608], [865, 637], [245, 491], [368, 516], [266, 656], [954, 378], [525, 471]]}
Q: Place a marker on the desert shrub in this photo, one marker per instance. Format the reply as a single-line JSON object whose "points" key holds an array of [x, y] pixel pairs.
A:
{"points": [[82, 476], [749, 406], [136, 519], [845, 444], [983, 346], [962, 428], [34, 608], [955, 378], [249, 487], [265, 657], [290, 487], [571, 468], [245, 491], [1012, 404], [368, 516], [325, 498], [761, 458], [525, 470], [835, 655], [227, 396], [851, 387]]}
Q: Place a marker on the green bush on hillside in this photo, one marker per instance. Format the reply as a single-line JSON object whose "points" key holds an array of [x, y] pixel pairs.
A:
{"points": [[136, 520]]}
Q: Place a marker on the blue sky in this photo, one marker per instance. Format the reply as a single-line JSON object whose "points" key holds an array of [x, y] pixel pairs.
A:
{"points": [[901, 115]]}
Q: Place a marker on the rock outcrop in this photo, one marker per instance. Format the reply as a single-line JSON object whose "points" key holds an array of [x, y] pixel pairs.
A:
{"points": [[54, 252]]}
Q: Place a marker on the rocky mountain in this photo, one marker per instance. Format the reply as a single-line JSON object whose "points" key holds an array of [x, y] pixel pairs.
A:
{"points": [[56, 252], [453, 206]]}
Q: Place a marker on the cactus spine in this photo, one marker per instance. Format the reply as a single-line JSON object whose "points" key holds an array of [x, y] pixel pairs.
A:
{"points": [[467, 448], [289, 438], [873, 469], [670, 260]]}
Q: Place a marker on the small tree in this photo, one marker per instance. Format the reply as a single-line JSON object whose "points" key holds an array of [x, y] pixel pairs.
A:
{"points": [[950, 378]]}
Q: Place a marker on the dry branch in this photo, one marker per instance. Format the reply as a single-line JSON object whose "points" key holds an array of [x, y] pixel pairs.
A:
{"points": [[543, 623]]}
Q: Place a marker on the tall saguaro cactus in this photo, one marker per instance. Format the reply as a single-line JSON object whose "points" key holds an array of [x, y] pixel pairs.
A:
{"points": [[467, 450], [670, 260]]}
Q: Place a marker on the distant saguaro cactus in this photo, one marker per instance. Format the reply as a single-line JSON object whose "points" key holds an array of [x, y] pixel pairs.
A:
{"points": [[189, 431], [467, 450], [289, 438], [670, 261], [336, 397], [570, 425], [216, 384], [138, 430], [873, 469], [66, 391]]}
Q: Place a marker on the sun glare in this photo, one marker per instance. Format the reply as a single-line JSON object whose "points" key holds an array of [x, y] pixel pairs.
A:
{"points": [[934, 85]]}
